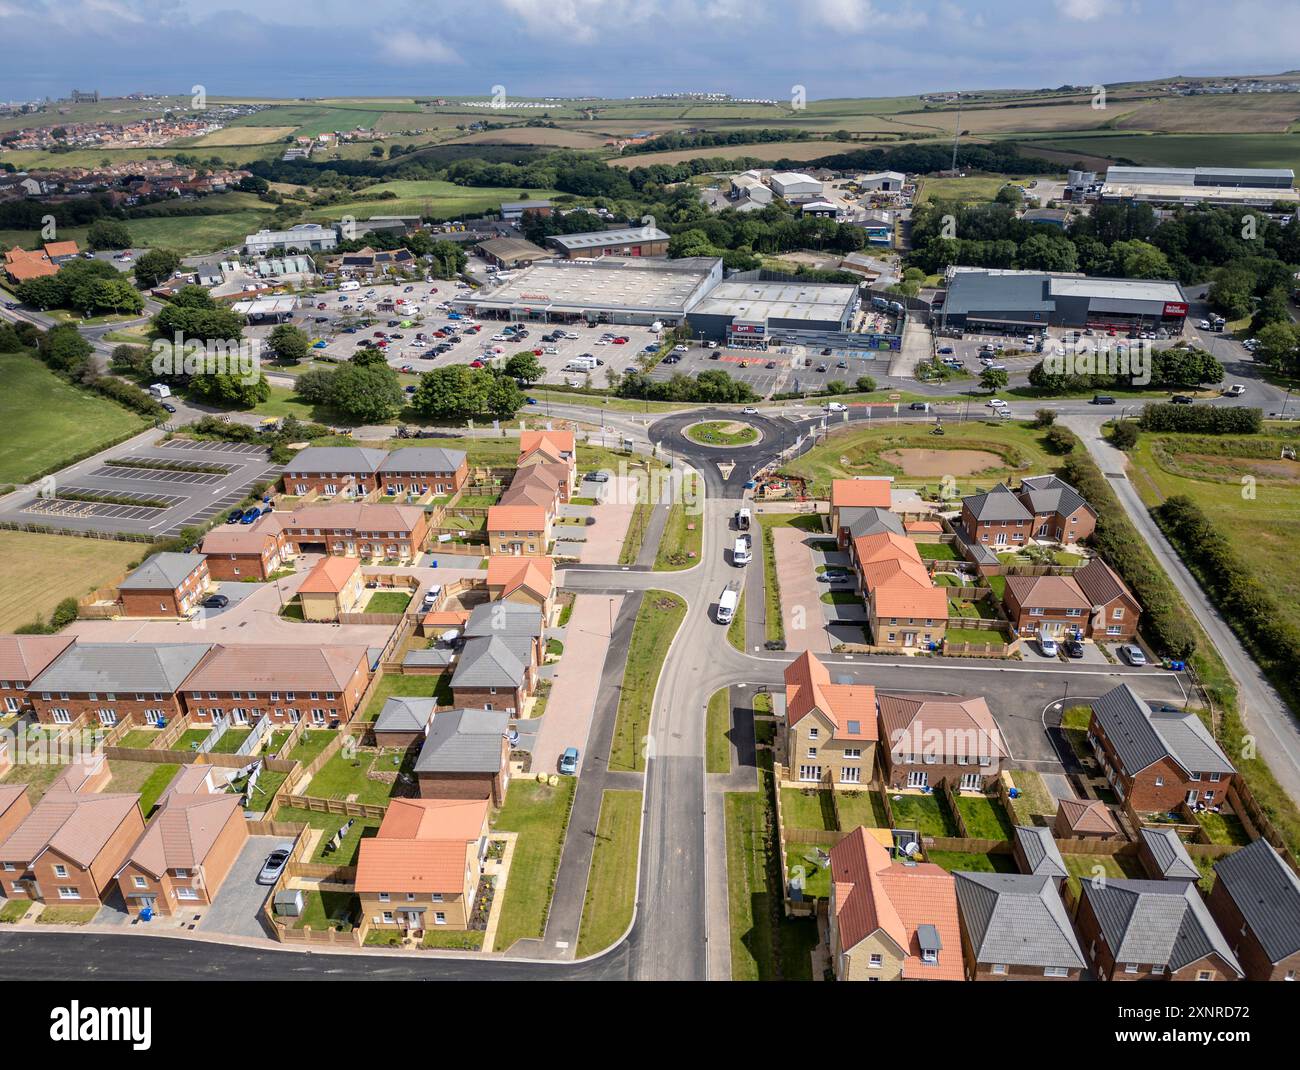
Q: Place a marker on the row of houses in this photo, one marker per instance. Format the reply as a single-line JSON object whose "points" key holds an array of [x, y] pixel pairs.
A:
{"points": [[545, 477], [355, 471], [22, 265]]}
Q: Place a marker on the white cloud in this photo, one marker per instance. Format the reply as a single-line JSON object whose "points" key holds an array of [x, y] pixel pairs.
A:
{"points": [[1085, 10], [412, 48]]}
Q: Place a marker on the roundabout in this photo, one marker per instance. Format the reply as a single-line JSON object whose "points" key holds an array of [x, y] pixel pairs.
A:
{"points": [[725, 466], [723, 434]]}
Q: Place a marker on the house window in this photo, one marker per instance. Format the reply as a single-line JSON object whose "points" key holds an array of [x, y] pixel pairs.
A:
{"points": [[436, 897], [929, 955], [877, 961], [1160, 782], [140, 882], [1157, 970], [918, 779], [813, 733], [1215, 777], [1056, 971], [1130, 967], [852, 753], [60, 871], [60, 716], [439, 918], [998, 967], [69, 893], [812, 752], [1204, 975], [851, 774], [810, 772], [1118, 614], [186, 893], [388, 915]]}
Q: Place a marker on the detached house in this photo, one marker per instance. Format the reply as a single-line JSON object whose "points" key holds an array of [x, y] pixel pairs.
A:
{"points": [[891, 921], [1114, 609], [928, 741], [22, 659], [829, 732], [465, 756], [70, 847], [551, 448], [1047, 606], [334, 586], [526, 580], [1157, 759], [243, 684], [184, 854], [165, 585], [497, 666], [237, 552], [1137, 930], [851, 498], [996, 519], [112, 682], [1256, 901], [904, 608], [1014, 927], [1059, 512]]}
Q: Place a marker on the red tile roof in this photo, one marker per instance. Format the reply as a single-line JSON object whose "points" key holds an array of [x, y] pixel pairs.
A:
{"points": [[277, 668], [848, 492], [536, 574], [911, 724], [808, 686], [551, 443], [25, 657], [421, 846], [330, 575], [516, 518], [183, 832]]}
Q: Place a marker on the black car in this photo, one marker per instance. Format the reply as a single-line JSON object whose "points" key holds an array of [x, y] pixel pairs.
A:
{"points": [[215, 601], [826, 352], [821, 367], [1180, 399], [1073, 648], [1102, 399], [169, 406]]}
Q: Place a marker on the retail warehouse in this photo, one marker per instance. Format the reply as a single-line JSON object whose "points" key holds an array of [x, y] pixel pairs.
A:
{"points": [[745, 310], [1021, 301], [1258, 186]]}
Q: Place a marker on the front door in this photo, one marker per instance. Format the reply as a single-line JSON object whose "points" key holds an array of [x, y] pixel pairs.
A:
{"points": [[1192, 797], [909, 638], [412, 919]]}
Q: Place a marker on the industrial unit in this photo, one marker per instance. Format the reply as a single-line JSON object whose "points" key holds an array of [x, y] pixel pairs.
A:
{"points": [[625, 241], [1261, 186], [752, 313], [1022, 301]]}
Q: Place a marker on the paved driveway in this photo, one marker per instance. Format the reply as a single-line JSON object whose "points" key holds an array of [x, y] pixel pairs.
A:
{"points": [[577, 680], [801, 605], [612, 515], [236, 910]]}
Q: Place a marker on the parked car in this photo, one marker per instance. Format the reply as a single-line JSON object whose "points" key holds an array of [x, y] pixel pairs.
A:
{"points": [[1074, 648], [749, 410], [274, 864], [1180, 399], [1047, 646], [236, 515], [835, 575], [569, 761], [597, 477], [836, 406], [168, 406], [945, 350], [1132, 653], [215, 601]]}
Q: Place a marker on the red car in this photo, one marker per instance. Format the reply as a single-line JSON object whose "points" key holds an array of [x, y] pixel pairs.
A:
{"points": [[537, 352], [381, 344], [320, 305], [619, 341], [477, 364], [380, 334], [407, 368]]}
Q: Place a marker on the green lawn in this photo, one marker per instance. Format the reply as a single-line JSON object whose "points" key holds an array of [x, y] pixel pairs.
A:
{"points": [[842, 598], [679, 546], [327, 910], [346, 855], [1089, 867], [443, 200], [966, 861], [937, 551], [1034, 799], [722, 433], [231, 740], [139, 738], [635, 535], [927, 814], [657, 622], [191, 738], [611, 885], [49, 422], [13, 910], [1224, 829], [807, 808], [453, 939], [861, 808], [985, 819], [67, 914], [388, 602], [413, 686], [345, 778], [154, 786], [717, 743], [539, 814], [802, 859], [310, 744]]}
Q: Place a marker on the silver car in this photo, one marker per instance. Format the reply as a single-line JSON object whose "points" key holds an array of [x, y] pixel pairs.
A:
{"points": [[274, 864]]}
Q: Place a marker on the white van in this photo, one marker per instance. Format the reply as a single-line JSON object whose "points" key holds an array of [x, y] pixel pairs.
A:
{"points": [[727, 605], [740, 552], [581, 364], [160, 390], [346, 287]]}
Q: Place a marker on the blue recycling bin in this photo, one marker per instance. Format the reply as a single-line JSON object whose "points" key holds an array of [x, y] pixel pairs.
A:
{"points": [[146, 914]]}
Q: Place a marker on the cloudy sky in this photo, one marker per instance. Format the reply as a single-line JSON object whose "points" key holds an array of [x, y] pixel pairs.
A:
{"points": [[756, 48]]}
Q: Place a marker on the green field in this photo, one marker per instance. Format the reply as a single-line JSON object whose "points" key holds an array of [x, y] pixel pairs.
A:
{"points": [[428, 197], [969, 189], [48, 421], [1183, 150]]}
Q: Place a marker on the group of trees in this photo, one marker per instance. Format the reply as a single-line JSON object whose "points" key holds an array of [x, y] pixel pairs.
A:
{"points": [[1180, 365], [1201, 419], [90, 287], [222, 372], [155, 267], [459, 393], [710, 387], [364, 389], [108, 234]]}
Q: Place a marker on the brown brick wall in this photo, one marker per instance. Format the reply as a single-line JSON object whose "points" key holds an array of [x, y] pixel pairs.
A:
{"points": [[1253, 958], [482, 697], [126, 706], [466, 785]]}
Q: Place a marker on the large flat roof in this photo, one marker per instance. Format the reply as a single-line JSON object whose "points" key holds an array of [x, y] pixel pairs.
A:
{"points": [[598, 239], [974, 291], [811, 301], [609, 283], [1175, 191]]}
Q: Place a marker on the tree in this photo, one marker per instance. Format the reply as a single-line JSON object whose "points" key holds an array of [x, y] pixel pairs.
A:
{"points": [[1044, 417], [452, 393], [504, 397], [1279, 347], [368, 394], [154, 267], [131, 361], [368, 357], [993, 379], [525, 367], [865, 384], [1059, 440], [108, 234], [1124, 435], [63, 349], [289, 343]]}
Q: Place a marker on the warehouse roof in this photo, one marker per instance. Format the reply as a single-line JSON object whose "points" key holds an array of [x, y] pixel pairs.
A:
{"points": [[1116, 289], [777, 300], [617, 283], [597, 239]]}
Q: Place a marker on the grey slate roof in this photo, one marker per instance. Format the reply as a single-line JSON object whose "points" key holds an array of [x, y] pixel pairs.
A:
{"points": [[1048, 494], [490, 661], [1017, 919], [422, 459], [869, 520], [597, 238], [996, 504], [976, 551], [161, 572], [432, 657], [1156, 923], [1170, 855], [121, 667], [463, 741], [504, 619], [405, 714], [1141, 736], [1267, 892], [1040, 851], [976, 291], [324, 459]]}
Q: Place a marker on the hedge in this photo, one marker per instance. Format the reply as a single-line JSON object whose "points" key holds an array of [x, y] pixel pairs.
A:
{"points": [[1202, 419], [1246, 603], [1115, 537]]}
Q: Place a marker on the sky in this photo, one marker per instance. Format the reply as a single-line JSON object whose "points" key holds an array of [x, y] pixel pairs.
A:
{"points": [[749, 48]]}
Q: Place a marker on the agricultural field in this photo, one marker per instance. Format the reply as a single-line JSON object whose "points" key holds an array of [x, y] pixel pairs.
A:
{"points": [[1261, 529], [971, 189], [548, 137], [310, 119], [772, 150], [1182, 150], [47, 420], [39, 571], [977, 454], [1260, 113], [432, 197], [243, 135]]}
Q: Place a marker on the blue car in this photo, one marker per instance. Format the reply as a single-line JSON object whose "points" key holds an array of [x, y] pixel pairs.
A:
{"points": [[236, 515], [320, 345], [569, 761], [250, 516], [531, 401]]}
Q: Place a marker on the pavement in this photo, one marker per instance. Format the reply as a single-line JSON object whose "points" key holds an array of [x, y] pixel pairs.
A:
{"points": [[801, 604], [572, 702]]}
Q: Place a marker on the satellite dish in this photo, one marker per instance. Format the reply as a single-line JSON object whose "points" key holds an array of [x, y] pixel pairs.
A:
{"points": [[911, 848]]}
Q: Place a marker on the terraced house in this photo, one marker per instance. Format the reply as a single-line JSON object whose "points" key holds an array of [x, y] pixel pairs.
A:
{"points": [[242, 684], [396, 532], [1157, 759], [520, 524], [236, 552], [929, 741], [904, 608], [22, 659], [829, 732], [355, 471], [112, 682]]}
